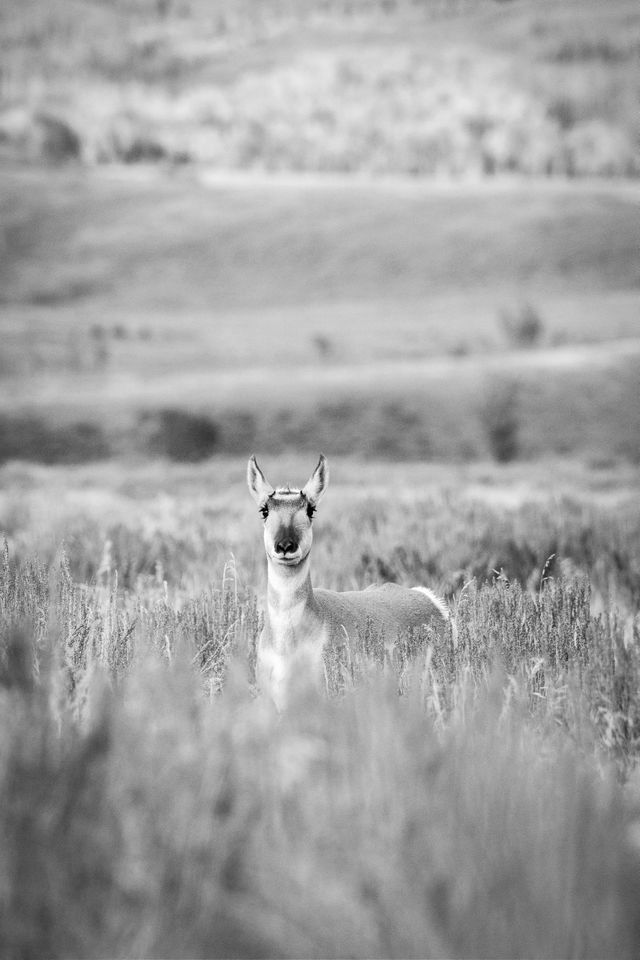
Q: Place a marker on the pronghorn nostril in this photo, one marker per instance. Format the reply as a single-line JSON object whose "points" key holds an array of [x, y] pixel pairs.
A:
{"points": [[286, 546]]}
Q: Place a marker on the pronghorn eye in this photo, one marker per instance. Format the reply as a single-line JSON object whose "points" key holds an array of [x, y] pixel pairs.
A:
{"points": [[310, 510], [264, 512]]}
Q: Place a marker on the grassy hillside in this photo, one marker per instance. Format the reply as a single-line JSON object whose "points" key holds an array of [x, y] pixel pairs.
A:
{"points": [[168, 316], [154, 303], [154, 245]]}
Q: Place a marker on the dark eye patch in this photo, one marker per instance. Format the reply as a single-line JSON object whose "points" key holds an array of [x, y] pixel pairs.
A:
{"points": [[264, 512], [310, 510]]}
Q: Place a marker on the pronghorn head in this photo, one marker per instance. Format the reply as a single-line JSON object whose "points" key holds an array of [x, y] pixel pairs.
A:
{"points": [[287, 513]]}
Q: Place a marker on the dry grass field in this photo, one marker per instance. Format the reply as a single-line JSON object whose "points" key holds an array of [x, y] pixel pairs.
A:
{"points": [[199, 318], [404, 232], [478, 799], [192, 308]]}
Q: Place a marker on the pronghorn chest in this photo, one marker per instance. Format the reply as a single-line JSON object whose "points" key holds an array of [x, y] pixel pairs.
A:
{"points": [[291, 615], [290, 651], [291, 626]]}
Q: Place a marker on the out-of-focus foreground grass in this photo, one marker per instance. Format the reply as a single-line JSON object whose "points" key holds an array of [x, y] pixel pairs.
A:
{"points": [[454, 799]]}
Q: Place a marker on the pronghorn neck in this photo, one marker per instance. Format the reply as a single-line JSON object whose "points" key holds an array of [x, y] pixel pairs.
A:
{"points": [[290, 602]]}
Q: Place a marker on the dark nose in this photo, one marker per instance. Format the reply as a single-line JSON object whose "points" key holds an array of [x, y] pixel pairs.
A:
{"points": [[286, 545]]}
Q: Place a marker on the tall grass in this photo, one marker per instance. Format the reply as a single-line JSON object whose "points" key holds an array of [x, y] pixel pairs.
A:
{"points": [[142, 817], [569, 662], [464, 796], [440, 526]]}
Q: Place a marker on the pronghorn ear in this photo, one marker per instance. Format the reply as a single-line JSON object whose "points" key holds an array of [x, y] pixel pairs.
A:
{"points": [[317, 482], [259, 487]]}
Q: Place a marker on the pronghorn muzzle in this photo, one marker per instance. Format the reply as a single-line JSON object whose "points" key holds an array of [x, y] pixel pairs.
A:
{"points": [[286, 547]]}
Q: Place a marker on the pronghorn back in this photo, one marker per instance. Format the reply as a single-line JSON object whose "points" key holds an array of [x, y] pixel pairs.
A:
{"points": [[391, 608]]}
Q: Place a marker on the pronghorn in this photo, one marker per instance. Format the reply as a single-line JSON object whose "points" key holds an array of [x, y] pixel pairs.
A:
{"points": [[300, 621]]}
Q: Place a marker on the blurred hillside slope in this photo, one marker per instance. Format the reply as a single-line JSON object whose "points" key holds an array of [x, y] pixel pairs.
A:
{"points": [[167, 315], [182, 274], [420, 87], [407, 229]]}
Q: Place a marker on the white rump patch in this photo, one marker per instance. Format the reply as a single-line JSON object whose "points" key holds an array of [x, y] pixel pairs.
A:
{"points": [[437, 601]]}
